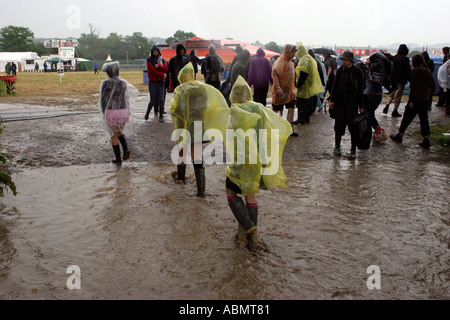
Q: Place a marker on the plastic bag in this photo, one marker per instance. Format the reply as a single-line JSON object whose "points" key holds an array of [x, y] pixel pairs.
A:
{"points": [[379, 135]]}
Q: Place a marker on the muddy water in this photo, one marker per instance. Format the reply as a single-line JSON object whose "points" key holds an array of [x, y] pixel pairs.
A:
{"points": [[136, 234]]}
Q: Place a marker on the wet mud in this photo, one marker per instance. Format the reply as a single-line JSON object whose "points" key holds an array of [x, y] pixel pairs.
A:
{"points": [[137, 234]]}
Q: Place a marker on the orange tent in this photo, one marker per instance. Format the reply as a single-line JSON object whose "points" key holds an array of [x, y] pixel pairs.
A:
{"points": [[224, 48]]}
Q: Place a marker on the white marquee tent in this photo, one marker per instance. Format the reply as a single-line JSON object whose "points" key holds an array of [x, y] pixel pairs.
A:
{"points": [[25, 61]]}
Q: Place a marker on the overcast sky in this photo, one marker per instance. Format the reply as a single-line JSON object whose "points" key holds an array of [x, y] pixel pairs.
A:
{"points": [[326, 22]]}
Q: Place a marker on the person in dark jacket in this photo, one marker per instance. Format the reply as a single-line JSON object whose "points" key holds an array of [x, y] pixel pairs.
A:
{"points": [[241, 67], [176, 64], [422, 85], [13, 69], [213, 67], [195, 62], [260, 76], [430, 64], [345, 100], [401, 73], [379, 67], [157, 68], [331, 67]]}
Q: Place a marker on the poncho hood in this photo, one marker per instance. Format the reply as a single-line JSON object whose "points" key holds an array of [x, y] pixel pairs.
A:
{"points": [[241, 91], [186, 74], [111, 70]]}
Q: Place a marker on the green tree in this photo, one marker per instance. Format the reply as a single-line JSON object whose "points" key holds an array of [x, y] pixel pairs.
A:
{"points": [[16, 39], [116, 46], [5, 177], [88, 44], [138, 46], [273, 46], [180, 35]]}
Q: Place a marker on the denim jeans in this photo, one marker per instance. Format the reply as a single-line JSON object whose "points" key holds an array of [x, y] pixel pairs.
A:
{"points": [[157, 97]]}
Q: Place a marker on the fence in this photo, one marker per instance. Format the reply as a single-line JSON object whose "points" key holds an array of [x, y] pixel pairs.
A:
{"points": [[131, 65]]}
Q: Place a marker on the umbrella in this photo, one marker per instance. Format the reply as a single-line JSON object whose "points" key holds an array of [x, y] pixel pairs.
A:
{"points": [[325, 51]]}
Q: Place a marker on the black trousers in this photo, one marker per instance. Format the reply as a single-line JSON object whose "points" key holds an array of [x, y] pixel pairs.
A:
{"points": [[260, 95], [344, 119], [419, 108]]}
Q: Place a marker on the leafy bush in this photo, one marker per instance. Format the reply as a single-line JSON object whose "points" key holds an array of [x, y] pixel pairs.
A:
{"points": [[5, 177]]}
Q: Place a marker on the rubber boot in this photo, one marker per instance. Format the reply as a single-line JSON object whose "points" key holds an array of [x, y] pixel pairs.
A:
{"points": [[200, 180], [253, 212], [242, 215], [126, 151], [117, 160], [181, 173], [256, 242], [337, 145], [242, 237]]}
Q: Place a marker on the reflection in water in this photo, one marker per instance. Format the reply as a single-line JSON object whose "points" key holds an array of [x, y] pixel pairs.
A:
{"points": [[136, 234]]}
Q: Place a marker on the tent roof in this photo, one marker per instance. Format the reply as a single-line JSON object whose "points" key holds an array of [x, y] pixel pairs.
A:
{"points": [[5, 56], [226, 49]]}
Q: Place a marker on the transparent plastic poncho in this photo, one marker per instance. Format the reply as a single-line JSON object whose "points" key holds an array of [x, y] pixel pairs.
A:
{"points": [[117, 99], [264, 133], [313, 84], [194, 102], [444, 75]]}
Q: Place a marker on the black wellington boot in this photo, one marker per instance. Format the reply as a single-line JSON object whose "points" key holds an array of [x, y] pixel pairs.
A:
{"points": [[253, 211], [117, 160], [181, 173], [242, 215], [200, 180], [126, 151]]}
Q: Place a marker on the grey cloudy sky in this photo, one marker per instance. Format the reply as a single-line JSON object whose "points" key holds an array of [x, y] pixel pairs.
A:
{"points": [[326, 22]]}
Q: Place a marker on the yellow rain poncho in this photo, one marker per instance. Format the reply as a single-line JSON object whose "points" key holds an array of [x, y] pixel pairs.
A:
{"points": [[285, 69], [307, 64], [258, 166], [194, 101]]}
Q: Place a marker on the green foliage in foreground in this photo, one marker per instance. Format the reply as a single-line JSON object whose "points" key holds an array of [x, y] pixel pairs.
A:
{"points": [[438, 136], [5, 177]]}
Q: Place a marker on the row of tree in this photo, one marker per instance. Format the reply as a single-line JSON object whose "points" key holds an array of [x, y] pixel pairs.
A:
{"points": [[92, 47]]}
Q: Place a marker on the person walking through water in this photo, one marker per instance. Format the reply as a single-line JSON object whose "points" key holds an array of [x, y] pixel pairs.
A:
{"points": [[260, 76], [157, 68], [308, 83], [401, 71], [283, 75], [247, 176], [117, 98], [378, 76], [196, 108], [422, 85], [345, 100]]}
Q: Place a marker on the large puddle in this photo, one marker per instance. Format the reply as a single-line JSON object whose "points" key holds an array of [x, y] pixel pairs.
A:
{"points": [[135, 234]]}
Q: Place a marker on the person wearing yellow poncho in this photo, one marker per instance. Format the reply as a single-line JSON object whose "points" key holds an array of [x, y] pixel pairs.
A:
{"points": [[308, 84], [255, 141], [196, 108]]}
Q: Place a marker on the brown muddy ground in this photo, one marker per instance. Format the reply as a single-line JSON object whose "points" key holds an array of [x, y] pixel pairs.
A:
{"points": [[136, 234]]}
